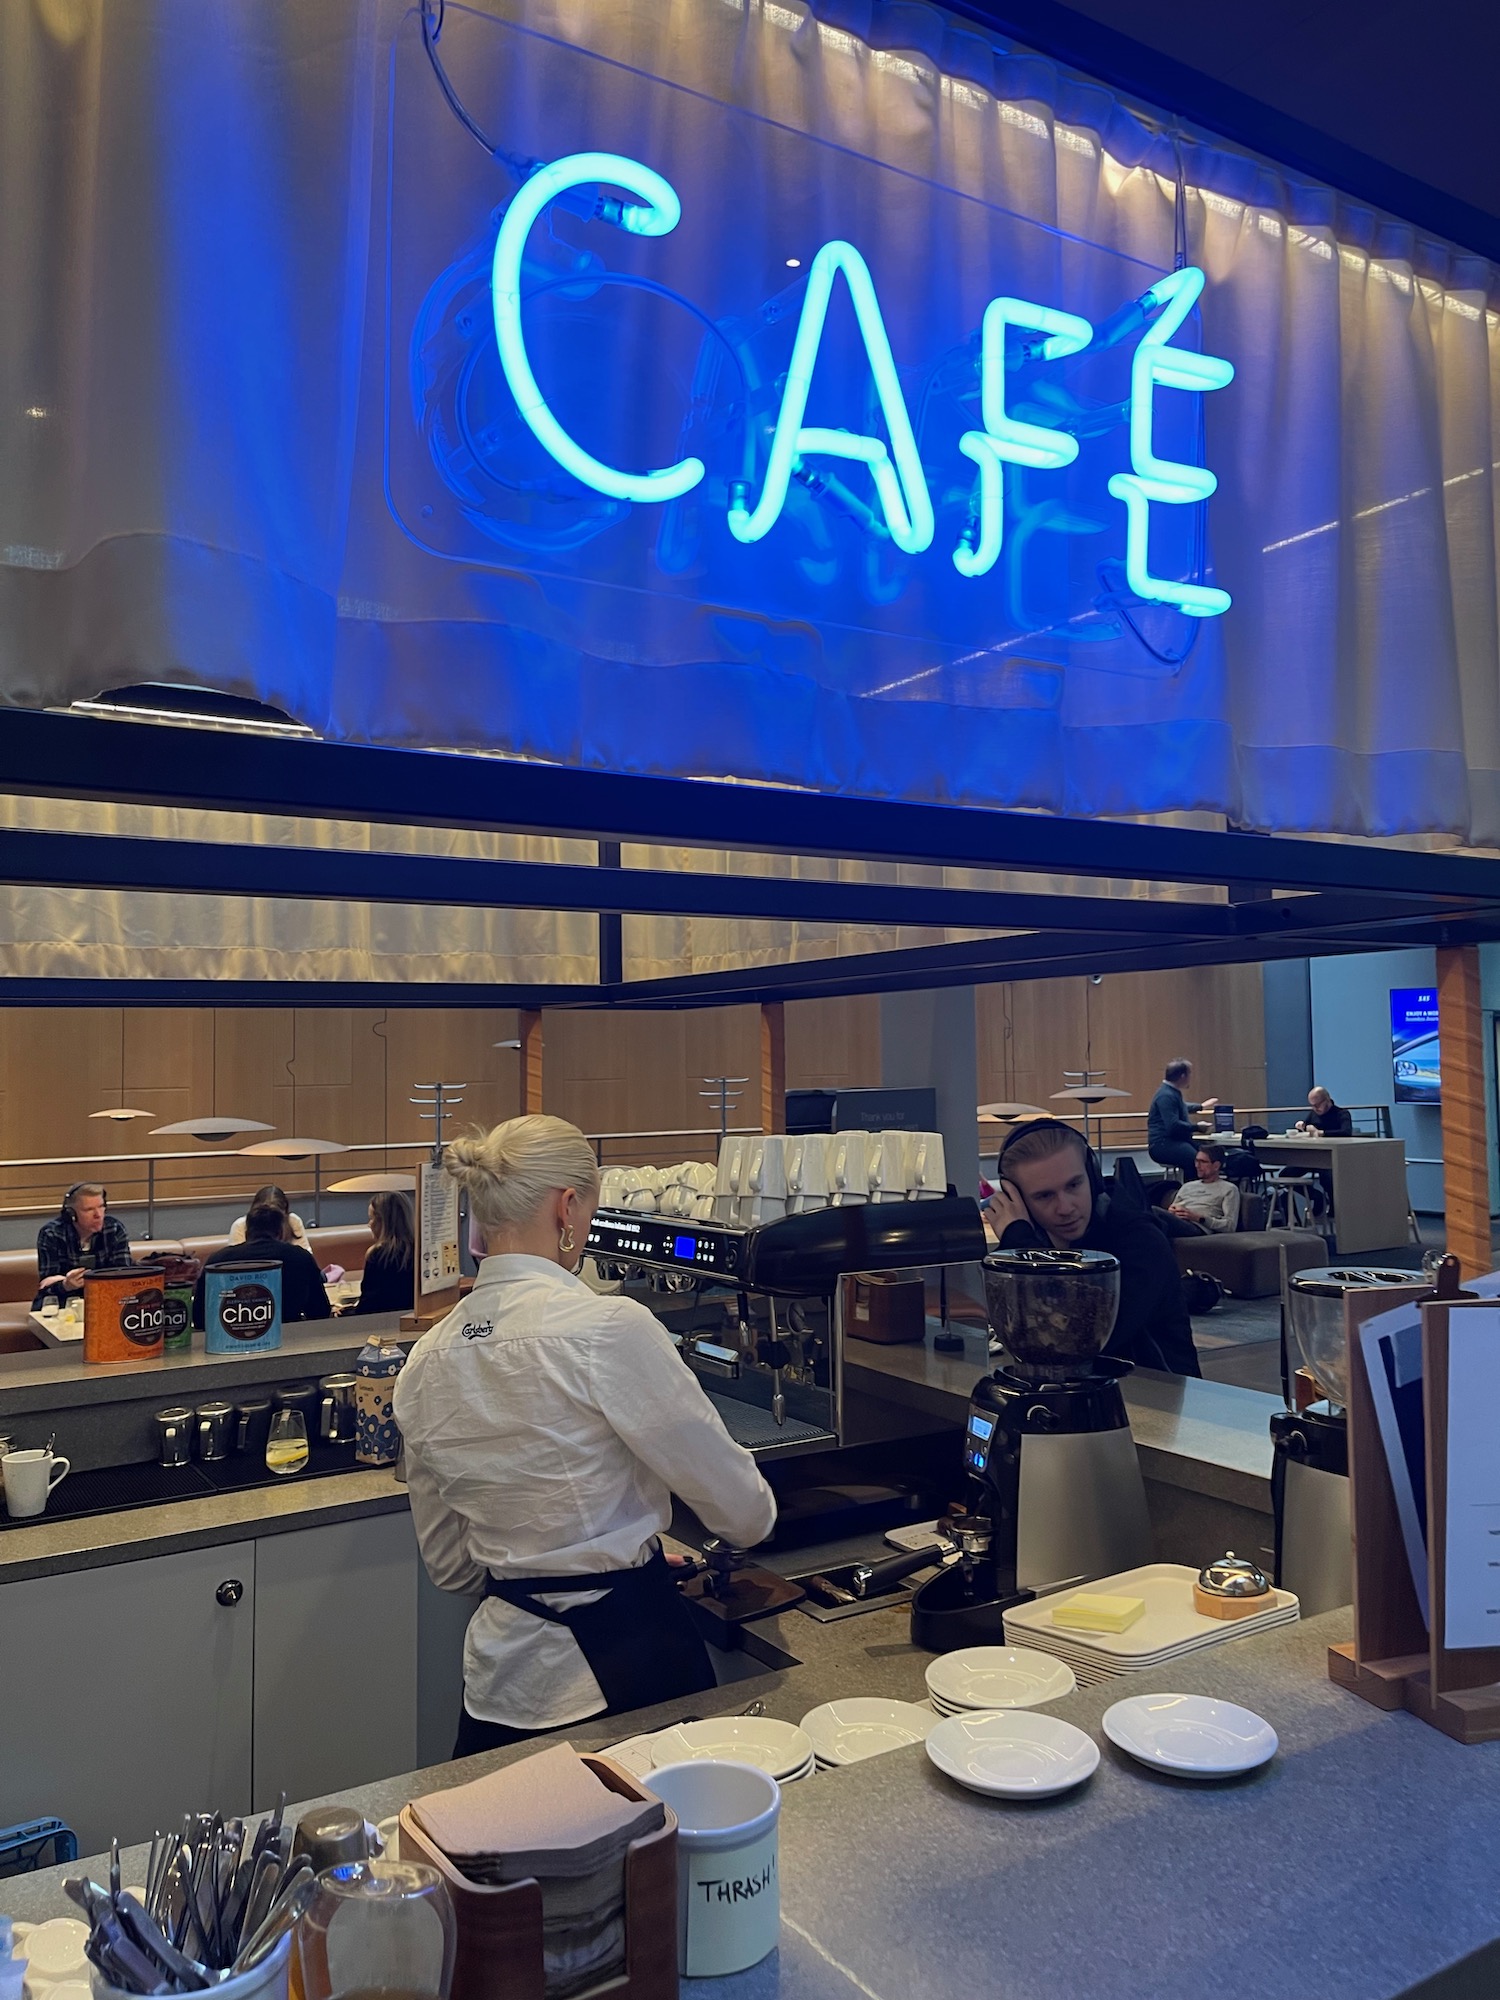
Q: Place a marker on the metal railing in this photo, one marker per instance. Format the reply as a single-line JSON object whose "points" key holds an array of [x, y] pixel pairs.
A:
{"points": [[127, 1172]]}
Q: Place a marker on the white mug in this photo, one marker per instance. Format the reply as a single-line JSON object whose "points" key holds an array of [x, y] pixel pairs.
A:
{"points": [[728, 1882], [28, 1477]]}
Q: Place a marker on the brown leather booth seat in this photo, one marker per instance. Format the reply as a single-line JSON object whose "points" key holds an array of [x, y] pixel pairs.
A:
{"points": [[1247, 1262], [345, 1244]]}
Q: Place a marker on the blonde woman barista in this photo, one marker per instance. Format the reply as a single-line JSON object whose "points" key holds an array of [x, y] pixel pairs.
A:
{"points": [[546, 1430]]}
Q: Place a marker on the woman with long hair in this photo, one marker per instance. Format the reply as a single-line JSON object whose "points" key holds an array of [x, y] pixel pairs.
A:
{"points": [[293, 1229], [546, 1430], [389, 1280]]}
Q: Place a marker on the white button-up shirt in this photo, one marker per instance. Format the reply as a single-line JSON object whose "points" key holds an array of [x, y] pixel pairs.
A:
{"points": [[546, 1431]]}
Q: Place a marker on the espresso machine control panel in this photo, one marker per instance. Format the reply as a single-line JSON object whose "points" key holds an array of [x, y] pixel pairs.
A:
{"points": [[620, 1234], [979, 1435]]}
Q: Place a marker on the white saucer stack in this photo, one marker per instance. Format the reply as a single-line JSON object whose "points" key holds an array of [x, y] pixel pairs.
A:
{"points": [[780, 1749], [981, 1679], [849, 1731], [1169, 1629]]}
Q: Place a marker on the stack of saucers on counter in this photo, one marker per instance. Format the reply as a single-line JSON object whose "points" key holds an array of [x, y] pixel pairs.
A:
{"points": [[861, 1726], [981, 1679], [1167, 1628], [780, 1749]]}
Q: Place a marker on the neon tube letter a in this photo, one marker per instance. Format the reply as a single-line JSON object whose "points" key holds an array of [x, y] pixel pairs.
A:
{"points": [[658, 218], [901, 487]]}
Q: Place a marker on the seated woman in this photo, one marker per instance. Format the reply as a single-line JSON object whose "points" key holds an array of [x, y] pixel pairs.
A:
{"points": [[303, 1294], [388, 1283], [1210, 1202], [271, 1196]]}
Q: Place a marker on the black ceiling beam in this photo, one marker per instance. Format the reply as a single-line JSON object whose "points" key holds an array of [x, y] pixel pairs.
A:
{"points": [[884, 972], [84, 757], [209, 868], [1318, 916], [211, 991]]}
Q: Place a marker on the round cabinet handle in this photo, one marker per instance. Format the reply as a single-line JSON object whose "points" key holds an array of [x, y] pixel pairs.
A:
{"points": [[230, 1591]]}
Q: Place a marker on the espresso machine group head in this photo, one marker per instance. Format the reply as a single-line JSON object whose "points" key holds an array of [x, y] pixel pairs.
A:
{"points": [[1055, 1493]]}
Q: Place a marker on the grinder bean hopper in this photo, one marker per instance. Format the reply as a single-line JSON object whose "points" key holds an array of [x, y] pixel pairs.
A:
{"points": [[1055, 1489]]}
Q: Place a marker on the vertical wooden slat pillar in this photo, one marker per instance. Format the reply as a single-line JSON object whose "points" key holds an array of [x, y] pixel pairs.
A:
{"points": [[529, 1028], [1466, 1171], [772, 1066]]}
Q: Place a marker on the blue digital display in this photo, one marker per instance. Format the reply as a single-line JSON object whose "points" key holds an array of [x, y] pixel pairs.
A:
{"points": [[1415, 1056], [982, 1427], [684, 1246]]}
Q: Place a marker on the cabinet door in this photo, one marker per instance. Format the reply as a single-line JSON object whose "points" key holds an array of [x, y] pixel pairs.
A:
{"points": [[335, 1657], [125, 1693]]}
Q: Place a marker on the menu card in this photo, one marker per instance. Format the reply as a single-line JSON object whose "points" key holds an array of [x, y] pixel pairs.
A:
{"points": [[1471, 1607]]}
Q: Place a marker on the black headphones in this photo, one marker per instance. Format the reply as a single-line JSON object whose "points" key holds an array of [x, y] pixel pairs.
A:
{"points": [[68, 1209], [1091, 1158]]}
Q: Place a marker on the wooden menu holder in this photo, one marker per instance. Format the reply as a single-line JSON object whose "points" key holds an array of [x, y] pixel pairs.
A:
{"points": [[1395, 1662], [499, 1953]]}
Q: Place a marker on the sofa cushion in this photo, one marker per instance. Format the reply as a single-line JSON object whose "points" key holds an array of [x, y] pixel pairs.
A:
{"points": [[1247, 1262]]}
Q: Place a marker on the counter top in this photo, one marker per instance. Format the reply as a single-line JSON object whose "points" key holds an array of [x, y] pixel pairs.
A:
{"points": [[59, 1378], [93, 1540], [1358, 1865], [1206, 1437]]}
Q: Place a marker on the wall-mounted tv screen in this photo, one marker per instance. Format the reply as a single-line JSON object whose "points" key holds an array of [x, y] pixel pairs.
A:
{"points": [[1414, 1045]]}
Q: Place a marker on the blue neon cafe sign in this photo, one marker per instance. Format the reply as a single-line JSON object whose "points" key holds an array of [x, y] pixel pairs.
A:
{"points": [[894, 467]]}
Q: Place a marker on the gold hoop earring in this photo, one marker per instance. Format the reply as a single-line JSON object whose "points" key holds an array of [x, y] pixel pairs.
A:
{"points": [[565, 1244]]}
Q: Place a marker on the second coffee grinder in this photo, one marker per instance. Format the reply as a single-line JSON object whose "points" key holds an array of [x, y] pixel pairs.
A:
{"points": [[1055, 1488]]}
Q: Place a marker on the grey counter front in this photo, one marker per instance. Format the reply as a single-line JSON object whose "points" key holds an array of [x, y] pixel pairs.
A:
{"points": [[1358, 1865]]}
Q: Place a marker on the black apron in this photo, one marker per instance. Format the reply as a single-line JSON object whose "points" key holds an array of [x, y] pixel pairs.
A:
{"points": [[638, 1637]]}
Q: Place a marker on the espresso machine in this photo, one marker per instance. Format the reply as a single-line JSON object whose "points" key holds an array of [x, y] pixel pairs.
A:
{"points": [[757, 1312], [1310, 1441], [1055, 1490]]}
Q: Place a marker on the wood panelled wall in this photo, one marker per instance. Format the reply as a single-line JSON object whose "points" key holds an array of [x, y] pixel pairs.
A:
{"points": [[1029, 1032], [348, 1073]]}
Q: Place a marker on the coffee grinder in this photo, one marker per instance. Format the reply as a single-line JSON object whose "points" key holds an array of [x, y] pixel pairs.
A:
{"points": [[1310, 1442], [1055, 1488]]}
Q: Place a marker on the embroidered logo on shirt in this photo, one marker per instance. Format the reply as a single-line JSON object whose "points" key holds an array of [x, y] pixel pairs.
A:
{"points": [[476, 1329]]}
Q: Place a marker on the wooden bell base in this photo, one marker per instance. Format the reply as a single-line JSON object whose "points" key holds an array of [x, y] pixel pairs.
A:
{"points": [[1468, 1715]]}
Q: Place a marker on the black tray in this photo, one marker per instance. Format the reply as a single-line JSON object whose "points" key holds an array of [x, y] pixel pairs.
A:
{"points": [[113, 1489]]}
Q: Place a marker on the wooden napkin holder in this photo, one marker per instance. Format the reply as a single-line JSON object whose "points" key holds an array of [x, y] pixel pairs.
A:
{"points": [[1395, 1662], [499, 1954]]}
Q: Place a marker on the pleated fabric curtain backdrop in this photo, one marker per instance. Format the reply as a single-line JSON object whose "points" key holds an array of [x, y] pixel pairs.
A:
{"points": [[208, 234]]}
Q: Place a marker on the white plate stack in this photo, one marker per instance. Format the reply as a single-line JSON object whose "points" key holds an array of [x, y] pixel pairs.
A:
{"points": [[780, 1749], [849, 1731], [981, 1679], [1169, 1628]]}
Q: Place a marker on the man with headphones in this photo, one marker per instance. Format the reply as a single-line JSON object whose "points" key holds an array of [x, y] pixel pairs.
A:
{"points": [[80, 1237], [1051, 1196]]}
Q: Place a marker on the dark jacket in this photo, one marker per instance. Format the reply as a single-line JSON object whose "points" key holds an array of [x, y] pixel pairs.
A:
{"points": [[1152, 1328], [1334, 1123], [388, 1284], [1167, 1122], [303, 1295], [59, 1250]]}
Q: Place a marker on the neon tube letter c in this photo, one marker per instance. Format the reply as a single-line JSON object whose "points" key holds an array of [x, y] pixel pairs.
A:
{"points": [[658, 218]]}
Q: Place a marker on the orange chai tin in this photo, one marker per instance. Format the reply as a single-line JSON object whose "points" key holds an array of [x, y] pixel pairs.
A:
{"points": [[124, 1313]]}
